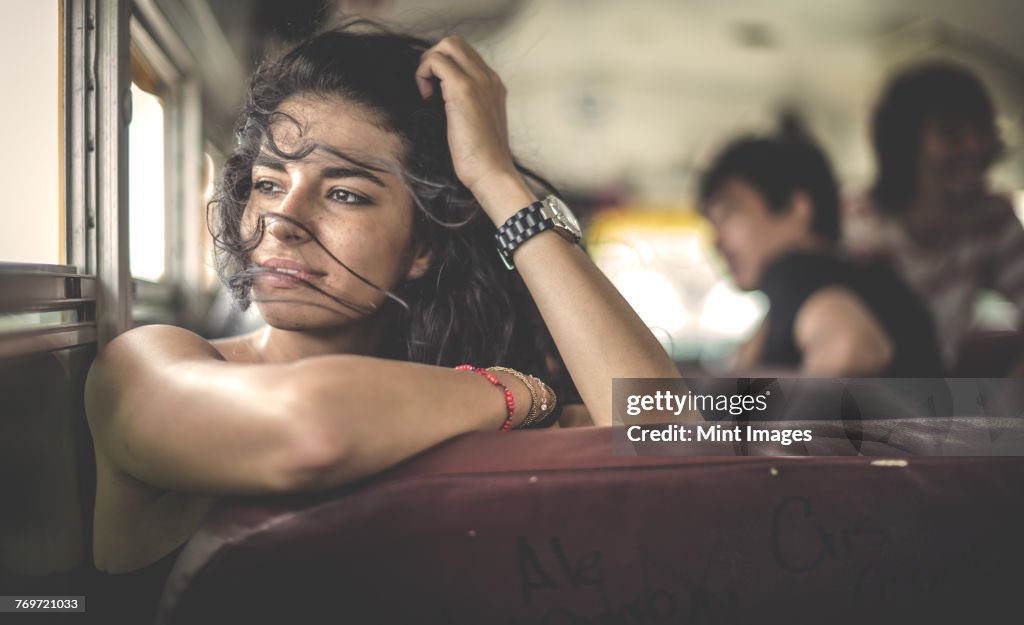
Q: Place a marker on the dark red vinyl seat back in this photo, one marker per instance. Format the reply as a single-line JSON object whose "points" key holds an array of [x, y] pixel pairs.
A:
{"points": [[551, 527]]}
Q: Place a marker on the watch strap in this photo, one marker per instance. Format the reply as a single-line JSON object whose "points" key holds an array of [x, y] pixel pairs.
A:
{"points": [[519, 228]]}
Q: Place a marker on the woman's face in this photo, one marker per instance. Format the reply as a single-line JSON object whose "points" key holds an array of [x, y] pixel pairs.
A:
{"points": [[955, 157], [361, 213]]}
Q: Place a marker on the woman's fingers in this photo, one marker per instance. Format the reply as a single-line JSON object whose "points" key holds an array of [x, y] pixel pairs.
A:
{"points": [[474, 101], [437, 64], [468, 59], [454, 58]]}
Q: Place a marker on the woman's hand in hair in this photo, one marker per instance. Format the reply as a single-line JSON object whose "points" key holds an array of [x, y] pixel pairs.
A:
{"points": [[474, 100]]}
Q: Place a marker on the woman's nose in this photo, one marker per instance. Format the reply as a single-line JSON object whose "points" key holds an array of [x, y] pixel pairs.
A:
{"points": [[282, 228], [285, 224]]}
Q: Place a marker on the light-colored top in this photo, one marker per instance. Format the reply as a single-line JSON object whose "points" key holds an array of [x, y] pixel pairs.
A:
{"points": [[980, 249]]}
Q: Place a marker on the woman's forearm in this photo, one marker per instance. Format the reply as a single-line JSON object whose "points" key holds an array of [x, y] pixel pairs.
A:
{"points": [[598, 334], [373, 413]]}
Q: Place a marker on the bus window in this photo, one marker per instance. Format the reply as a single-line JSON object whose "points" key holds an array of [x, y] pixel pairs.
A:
{"points": [[146, 186], [31, 163]]}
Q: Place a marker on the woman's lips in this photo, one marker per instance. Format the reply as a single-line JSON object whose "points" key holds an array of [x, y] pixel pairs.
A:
{"points": [[287, 274], [280, 280]]}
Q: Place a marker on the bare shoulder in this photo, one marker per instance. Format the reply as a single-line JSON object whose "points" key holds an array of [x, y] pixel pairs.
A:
{"points": [[839, 335], [832, 309], [831, 300], [129, 356], [156, 341]]}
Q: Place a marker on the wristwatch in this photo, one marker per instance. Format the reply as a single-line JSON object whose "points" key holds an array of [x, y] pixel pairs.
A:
{"points": [[551, 213]]}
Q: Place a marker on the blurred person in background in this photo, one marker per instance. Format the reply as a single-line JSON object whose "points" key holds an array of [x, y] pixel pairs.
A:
{"points": [[930, 212], [773, 204]]}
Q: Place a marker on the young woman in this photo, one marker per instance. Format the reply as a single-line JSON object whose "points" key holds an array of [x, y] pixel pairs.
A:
{"points": [[359, 214]]}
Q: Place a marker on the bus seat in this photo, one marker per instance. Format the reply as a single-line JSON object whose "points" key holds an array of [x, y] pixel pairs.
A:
{"points": [[553, 527], [47, 473], [988, 354]]}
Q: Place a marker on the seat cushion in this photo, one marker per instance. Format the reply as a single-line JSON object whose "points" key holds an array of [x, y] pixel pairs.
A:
{"points": [[552, 527]]}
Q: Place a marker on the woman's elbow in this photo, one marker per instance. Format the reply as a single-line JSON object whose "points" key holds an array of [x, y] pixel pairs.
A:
{"points": [[309, 462], [315, 450]]}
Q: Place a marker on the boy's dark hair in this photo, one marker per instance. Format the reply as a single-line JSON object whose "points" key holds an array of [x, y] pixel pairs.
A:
{"points": [[777, 168], [938, 90]]}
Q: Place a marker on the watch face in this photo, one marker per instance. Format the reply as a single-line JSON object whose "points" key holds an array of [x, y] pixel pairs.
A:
{"points": [[563, 215]]}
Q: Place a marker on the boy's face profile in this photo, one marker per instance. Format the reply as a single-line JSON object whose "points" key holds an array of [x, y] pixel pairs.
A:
{"points": [[748, 234]]}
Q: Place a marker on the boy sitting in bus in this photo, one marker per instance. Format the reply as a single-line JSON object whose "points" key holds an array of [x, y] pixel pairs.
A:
{"points": [[774, 206]]}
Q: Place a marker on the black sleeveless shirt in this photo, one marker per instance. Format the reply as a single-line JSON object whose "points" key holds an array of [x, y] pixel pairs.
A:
{"points": [[791, 280]]}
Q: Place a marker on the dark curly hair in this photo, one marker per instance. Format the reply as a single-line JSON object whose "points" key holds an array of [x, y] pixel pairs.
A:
{"points": [[467, 307], [912, 98]]}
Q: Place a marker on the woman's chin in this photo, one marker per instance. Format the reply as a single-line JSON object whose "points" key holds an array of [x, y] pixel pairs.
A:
{"points": [[295, 314]]}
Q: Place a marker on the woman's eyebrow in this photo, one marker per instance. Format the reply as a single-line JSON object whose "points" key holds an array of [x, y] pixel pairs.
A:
{"points": [[270, 162], [351, 172]]}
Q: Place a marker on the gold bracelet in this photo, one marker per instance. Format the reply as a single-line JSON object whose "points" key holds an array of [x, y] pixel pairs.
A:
{"points": [[541, 404], [531, 415], [548, 399], [546, 408]]}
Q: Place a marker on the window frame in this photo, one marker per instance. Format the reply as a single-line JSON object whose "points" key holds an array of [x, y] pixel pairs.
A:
{"points": [[95, 110], [154, 39], [93, 283], [96, 41], [47, 288]]}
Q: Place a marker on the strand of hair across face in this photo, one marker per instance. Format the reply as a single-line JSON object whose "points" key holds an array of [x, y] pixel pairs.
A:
{"points": [[247, 274]]}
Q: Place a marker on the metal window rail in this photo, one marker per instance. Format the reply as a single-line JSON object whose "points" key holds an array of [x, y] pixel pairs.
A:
{"points": [[97, 109], [28, 288]]}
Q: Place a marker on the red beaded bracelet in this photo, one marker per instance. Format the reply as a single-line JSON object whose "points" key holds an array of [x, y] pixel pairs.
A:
{"points": [[510, 403]]}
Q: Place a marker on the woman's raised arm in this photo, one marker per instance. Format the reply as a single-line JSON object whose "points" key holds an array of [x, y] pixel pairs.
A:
{"points": [[598, 334], [165, 408]]}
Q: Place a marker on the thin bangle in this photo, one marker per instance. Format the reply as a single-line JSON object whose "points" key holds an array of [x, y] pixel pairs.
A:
{"points": [[510, 402], [548, 402], [534, 404]]}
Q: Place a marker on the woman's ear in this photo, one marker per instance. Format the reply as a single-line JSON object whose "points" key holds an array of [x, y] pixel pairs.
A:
{"points": [[420, 262]]}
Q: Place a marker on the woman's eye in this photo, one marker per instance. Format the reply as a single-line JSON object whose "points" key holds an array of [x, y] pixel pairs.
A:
{"points": [[347, 197], [266, 186]]}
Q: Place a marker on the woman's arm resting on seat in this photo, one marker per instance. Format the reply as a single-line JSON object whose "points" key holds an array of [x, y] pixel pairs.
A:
{"points": [[165, 408]]}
